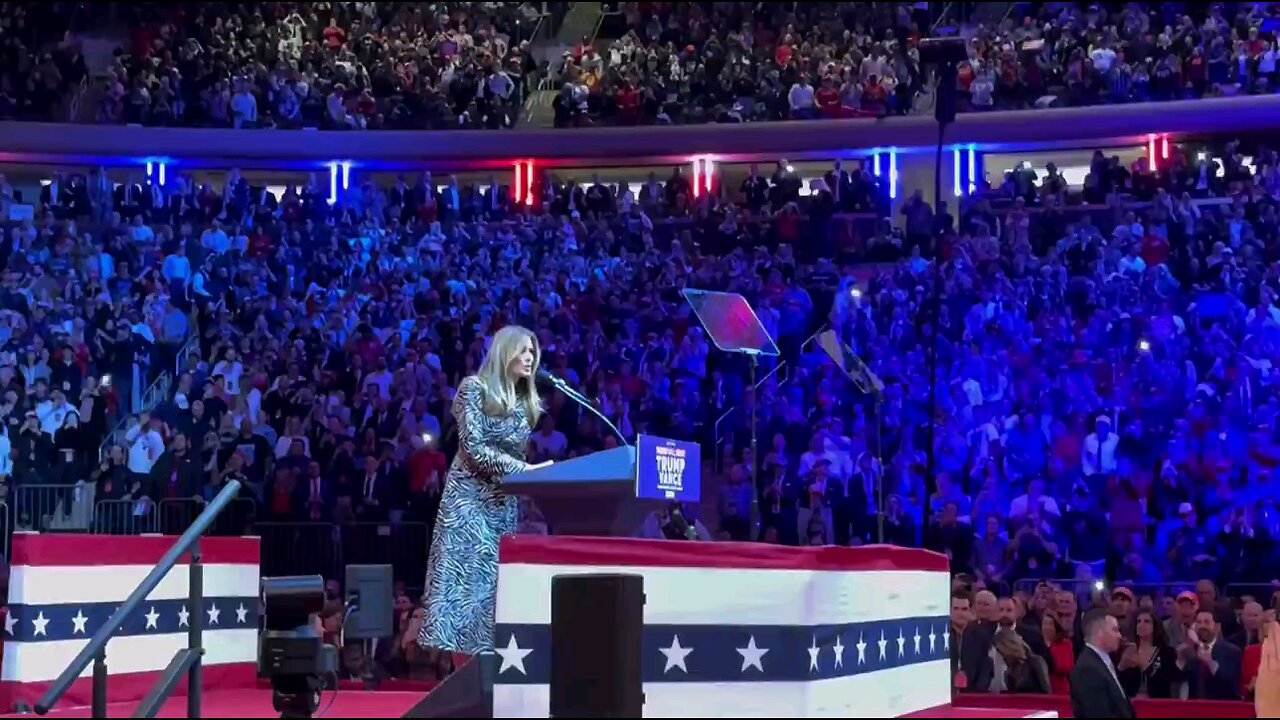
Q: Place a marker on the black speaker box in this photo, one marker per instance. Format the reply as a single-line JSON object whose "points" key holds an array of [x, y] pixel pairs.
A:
{"points": [[597, 623]]}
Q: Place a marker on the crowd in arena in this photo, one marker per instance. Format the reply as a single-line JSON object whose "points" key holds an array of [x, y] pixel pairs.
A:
{"points": [[337, 66], [1101, 424], [738, 62], [471, 65], [1104, 405]]}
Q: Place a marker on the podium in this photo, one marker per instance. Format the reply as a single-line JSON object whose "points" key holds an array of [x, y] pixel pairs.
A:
{"points": [[590, 495]]}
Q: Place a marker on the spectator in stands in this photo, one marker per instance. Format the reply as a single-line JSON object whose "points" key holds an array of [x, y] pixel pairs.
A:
{"points": [[1251, 656], [1061, 653], [1148, 665], [1211, 664]]}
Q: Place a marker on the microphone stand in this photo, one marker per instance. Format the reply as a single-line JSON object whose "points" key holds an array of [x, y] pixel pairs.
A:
{"points": [[876, 399], [577, 397], [871, 384]]}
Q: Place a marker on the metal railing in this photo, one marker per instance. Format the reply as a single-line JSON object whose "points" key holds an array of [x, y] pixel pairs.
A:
{"points": [[54, 507], [187, 661], [192, 347], [321, 548], [155, 394], [122, 517], [174, 515]]}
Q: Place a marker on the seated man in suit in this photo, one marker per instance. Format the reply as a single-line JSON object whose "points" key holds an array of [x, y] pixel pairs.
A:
{"points": [[1211, 664], [1095, 687]]}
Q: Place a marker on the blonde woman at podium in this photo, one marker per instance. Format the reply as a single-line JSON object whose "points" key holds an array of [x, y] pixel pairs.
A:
{"points": [[496, 409]]}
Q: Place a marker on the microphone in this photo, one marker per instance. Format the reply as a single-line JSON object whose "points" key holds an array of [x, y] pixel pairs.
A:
{"points": [[559, 384], [549, 379]]}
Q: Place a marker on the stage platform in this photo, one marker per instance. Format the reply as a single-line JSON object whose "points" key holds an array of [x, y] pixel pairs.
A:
{"points": [[254, 702]]}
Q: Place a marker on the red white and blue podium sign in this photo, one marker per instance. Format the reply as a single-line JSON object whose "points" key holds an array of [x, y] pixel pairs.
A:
{"points": [[667, 469], [743, 630], [64, 588]]}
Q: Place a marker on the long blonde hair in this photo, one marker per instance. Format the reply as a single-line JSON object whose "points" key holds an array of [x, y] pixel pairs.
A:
{"points": [[502, 395]]}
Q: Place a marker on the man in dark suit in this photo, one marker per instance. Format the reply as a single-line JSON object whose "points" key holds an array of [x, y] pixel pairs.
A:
{"points": [[1211, 664], [975, 644], [1095, 687]]}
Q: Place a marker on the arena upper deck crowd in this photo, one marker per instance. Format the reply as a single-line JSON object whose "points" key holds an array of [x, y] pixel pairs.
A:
{"points": [[470, 65]]}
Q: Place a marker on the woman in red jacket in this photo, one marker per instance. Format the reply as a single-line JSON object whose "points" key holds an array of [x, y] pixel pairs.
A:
{"points": [[1062, 652]]}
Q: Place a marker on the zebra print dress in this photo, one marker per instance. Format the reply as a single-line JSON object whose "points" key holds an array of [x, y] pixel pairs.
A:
{"points": [[462, 566]]}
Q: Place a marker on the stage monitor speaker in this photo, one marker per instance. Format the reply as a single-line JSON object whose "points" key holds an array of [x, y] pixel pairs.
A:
{"points": [[597, 622]]}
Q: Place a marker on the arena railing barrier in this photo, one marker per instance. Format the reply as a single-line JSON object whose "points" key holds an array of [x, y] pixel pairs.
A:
{"points": [[318, 548], [123, 517], [54, 507], [175, 515]]}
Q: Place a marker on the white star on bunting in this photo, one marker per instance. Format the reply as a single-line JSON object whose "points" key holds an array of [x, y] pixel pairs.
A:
{"points": [[242, 615], [214, 613], [946, 641], [882, 643], [862, 650], [41, 624], [813, 654], [78, 623], [933, 640], [513, 656], [839, 649], [916, 637], [10, 621], [902, 643], [152, 616], [184, 617], [752, 656], [675, 655]]}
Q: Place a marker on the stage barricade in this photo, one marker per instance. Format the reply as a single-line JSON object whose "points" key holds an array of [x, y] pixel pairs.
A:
{"points": [[122, 518], [304, 548], [175, 515], [743, 629], [54, 507], [402, 545], [300, 548]]}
